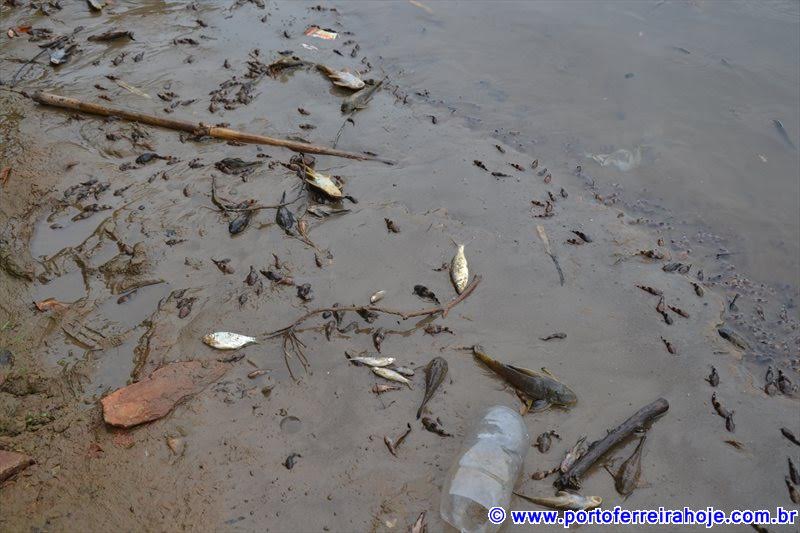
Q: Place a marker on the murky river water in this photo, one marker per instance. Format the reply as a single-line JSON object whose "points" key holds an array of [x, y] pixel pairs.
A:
{"points": [[690, 91]]}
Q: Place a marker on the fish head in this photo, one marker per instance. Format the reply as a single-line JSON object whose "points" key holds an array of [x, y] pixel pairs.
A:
{"points": [[562, 395]]}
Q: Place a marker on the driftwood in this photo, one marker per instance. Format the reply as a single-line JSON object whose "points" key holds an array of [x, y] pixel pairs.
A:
{"points": [[195, 128], [572, 479]]}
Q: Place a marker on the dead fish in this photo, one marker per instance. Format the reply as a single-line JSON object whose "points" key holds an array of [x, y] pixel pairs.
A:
{"points": [[794, 475], [59, 56], [718, 407], [544, 440], [627, 476], [794, 492], [255, 373], [582, 236], [240, 223], [435, 372], [283, 217], [291, 460], [342, 78], [224, 265], [369, 361], [669, 346], [368, 316], [544, 389], [378, 296], [97, 5], [359, 100], [223, 340], [557, 335], [320, 181], [176, 445], [330, 326], [435, 329], [352, 326], [713, 377], [459, 272], [236, 166], [380, 389], [434, 426], [786, 432], [378, 338], [112, 35], [573, 455], [425, 293], [391, 375], [678, 311], [394, 444], [252, 277], [565, 501], [404, 370], [651, 290], [391, 226], [783, 134], [698, 289], [420, 526], [733, 337]]}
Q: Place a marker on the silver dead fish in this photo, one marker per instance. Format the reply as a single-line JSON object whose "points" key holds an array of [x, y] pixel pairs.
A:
{"points": [[459, 272], [369, 361], [321, 181], [391, 375], [342, 78], [565, 501], [224, 340], [377, 297]]}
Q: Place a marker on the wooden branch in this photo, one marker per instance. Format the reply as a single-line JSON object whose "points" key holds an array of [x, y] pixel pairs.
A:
{"points": [[194, 127], [572, 479], [444, 309]]}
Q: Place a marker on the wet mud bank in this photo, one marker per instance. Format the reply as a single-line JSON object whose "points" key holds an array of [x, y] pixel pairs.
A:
{"points": [[124, 245]]}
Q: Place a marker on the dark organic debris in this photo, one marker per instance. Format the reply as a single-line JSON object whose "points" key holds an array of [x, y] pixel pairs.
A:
{"points": [[425, 293], [434, 426], [393, 444], [291, 460], [557, 335]]}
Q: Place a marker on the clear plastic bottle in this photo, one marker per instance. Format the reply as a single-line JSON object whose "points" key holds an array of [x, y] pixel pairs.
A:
{"points": [[487, 468]]}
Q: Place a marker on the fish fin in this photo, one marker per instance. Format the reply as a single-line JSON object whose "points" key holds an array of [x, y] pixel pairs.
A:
{"points": [[540, 405], [526, 371]]}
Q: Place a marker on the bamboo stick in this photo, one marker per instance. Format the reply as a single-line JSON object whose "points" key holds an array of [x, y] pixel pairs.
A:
{"points": [[194, 127]]}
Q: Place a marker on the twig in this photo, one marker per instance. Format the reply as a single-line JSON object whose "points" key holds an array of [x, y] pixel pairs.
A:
{"points": [[443, 309]]}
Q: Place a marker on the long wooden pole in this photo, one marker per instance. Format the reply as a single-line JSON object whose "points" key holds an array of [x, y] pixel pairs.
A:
{"points": [[194, 127]]}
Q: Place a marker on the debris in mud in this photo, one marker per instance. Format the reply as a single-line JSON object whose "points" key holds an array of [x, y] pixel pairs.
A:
{"points": [[425, 293], [224, 265], [678, 311], [723, 412], [669, 346], [380, 389], [480, 165], [784, 136], [651, 290], [378, 338], [393, 444], [391, 226], [154, 397], [557, 335], [698, 289], [112, 35], [316, 31], [434, 426], [291, 460], [549, 251], [304, 292], [224, 340], [176, 445], [661, 308], [12, 463], [360, 99], [236, 166], [391, 375]]}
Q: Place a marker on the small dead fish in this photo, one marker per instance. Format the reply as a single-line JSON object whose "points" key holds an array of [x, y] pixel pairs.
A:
{"points": [[557, 335], [627, 477], [112, 35], [378, 338], [735, 443], [59, 56], [394, 444], [342, 78], [236, 166], [786, 432], [565, 501], [352, 326], [147, 157], [380, 389], [783, 134], [544, 440], [582, 236], [718, 407], [404, 371], [459, 272], [223, 340], [377, 297], [97, 5], [375, 362], [368, 316], [359, 100], [320, 181], [435, 372], [669, 346], [480, 165], [391, 226], [541, 474], [252, 277], [794, 475], [240, 223], [794, 492], [434, 426], [435, 329], [283, 217], [678, 311], [420, 526], [391, 375], [698, 289], [573, 455], [651, 290], [425, 293], [713, 377], [224, 265], [330, 326], [323, 211], [733, 337], [291, 460], [255, 373]]}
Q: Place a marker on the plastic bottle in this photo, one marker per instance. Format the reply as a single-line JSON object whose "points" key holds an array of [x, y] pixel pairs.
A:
{"points": [[487, 468]]}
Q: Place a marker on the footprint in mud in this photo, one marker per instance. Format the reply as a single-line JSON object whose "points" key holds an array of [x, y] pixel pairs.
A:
{"points": [[291, 424]]}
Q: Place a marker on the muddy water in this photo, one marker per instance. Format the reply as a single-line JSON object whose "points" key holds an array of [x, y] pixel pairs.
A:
{"points": [[446, 64]]}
